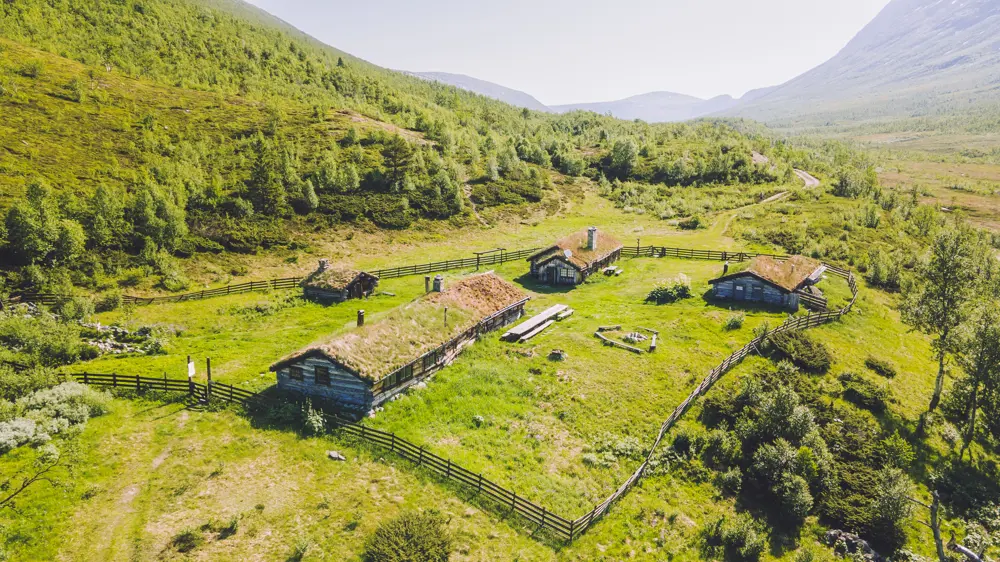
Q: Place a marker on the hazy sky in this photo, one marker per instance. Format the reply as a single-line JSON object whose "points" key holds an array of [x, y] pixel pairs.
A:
{"points": [[565, 51]]}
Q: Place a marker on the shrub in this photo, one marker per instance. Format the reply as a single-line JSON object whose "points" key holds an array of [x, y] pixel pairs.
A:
{"points": [[740, 538], [111, 300], [730, 481], [31, 69], [896, 452], [883, 270], [671, 290], [692, 223], [411, 537], [187, 540], [734, 322], [804, 351], [864, 393], [15, 384], [881, 367]]}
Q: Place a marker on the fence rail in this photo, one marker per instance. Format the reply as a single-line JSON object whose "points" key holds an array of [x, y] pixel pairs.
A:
{"points": [[562, 527], [394, 272], [285, 282]]}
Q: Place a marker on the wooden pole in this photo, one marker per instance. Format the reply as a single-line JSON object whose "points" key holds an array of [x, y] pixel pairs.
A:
{"points": [[208, 371]]}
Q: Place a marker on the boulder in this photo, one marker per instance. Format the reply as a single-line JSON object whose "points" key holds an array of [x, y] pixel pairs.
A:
{"points": [[335, 456], [845, 544]]}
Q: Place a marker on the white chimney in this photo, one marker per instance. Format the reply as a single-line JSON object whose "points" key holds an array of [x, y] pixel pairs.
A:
{"points": [[592, 238], [324, 264]]}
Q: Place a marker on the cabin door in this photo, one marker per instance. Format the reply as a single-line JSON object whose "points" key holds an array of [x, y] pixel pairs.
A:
{"points": [[552, 275], [739, 292]]}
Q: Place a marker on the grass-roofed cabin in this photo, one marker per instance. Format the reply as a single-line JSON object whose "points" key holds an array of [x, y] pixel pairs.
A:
{"points": [[574, 258], [337, 284], [769, 280], [359, 370]]}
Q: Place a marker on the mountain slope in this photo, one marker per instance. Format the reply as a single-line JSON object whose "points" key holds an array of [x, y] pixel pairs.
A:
{"points": [[488, 89], [916, 57]]}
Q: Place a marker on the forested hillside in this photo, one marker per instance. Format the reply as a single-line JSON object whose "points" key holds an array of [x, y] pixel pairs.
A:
{"points": [[164, 127]]}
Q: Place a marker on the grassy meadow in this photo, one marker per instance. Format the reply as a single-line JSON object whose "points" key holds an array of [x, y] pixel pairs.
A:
{"points": [[562, 433]]}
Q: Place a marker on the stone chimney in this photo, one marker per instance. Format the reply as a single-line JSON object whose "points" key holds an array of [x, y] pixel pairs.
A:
{"points": [[592, 238], [361, 318], [324, 264], [438, 283], [725, 267]]}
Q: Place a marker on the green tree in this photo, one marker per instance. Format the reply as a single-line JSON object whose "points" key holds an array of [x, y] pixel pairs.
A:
{"points": [[937, 303], [624, 155], [398, 155], [265, 188], [106, 223], [979, 357], [70, 243], [33, 225]]}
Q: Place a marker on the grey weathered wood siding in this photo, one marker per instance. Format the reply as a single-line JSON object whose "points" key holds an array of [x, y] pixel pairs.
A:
{"points": [[345, 389], [753, 289]]}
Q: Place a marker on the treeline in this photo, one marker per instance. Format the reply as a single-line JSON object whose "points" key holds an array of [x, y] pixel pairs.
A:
{"points": [[316, 138]]}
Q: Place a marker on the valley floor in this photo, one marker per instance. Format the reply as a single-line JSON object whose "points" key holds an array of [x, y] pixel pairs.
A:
{"points": [[150, 470]]}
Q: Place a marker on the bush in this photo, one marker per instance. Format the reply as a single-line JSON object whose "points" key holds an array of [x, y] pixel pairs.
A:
{"points": [[14, 384], [187, 540], [734, 322], [692, 223], [805, 352], [739, 539], [881, 367], [411, 537], [671, 290], [864, 393], [111, 300]]}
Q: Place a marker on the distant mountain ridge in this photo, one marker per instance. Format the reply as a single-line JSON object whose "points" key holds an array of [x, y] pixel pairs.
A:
{"points": [[489, 89], [653, 107], [916, 57]]}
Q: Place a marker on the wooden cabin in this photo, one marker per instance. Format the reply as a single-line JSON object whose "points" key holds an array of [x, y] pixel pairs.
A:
{"points": [[574, 258], [360, 369], [771, 281], [330, 284]]}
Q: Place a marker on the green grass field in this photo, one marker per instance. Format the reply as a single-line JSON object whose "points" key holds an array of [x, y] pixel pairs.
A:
{"points": [[149, 471]]}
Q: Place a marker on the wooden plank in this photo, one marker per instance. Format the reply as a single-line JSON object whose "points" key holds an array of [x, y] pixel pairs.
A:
{"points": [[536, 331], [523, 328]]}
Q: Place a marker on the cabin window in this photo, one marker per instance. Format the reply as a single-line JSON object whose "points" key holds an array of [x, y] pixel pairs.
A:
{"points": [[323, 375], [295, 373], [406, 373]]}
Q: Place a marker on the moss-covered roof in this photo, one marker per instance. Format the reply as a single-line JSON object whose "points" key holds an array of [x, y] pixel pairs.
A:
{"points": [[407, 332], [788, 274], [580, 257], [332, 278]]}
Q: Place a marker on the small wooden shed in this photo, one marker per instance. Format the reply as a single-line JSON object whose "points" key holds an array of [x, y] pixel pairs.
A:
{"points": [[337, 283], [364, 367], [574, 258], [768, 280]]}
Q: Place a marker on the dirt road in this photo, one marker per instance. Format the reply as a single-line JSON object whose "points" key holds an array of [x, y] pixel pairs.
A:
{"points": [[811, 182]]}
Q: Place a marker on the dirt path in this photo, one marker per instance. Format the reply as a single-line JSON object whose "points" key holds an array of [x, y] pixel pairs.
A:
{"points": [[811, 182]]}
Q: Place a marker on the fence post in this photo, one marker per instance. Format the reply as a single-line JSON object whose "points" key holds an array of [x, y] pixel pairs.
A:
{"points": [[479, 485], [420, 457], [137, 387], [114, 380], [448, 472], [85, 379], [392, 443]]}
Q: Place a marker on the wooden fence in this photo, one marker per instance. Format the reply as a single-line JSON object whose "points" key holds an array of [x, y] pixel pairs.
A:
{"points": [[287, 282], [395, 272], [561, 527]]}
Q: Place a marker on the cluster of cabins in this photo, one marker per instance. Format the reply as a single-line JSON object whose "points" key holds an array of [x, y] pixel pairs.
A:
{"points": [[362, 368]]}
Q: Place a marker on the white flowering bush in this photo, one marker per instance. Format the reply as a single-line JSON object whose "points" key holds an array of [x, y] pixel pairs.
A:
{"points": [[34, 419]]}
